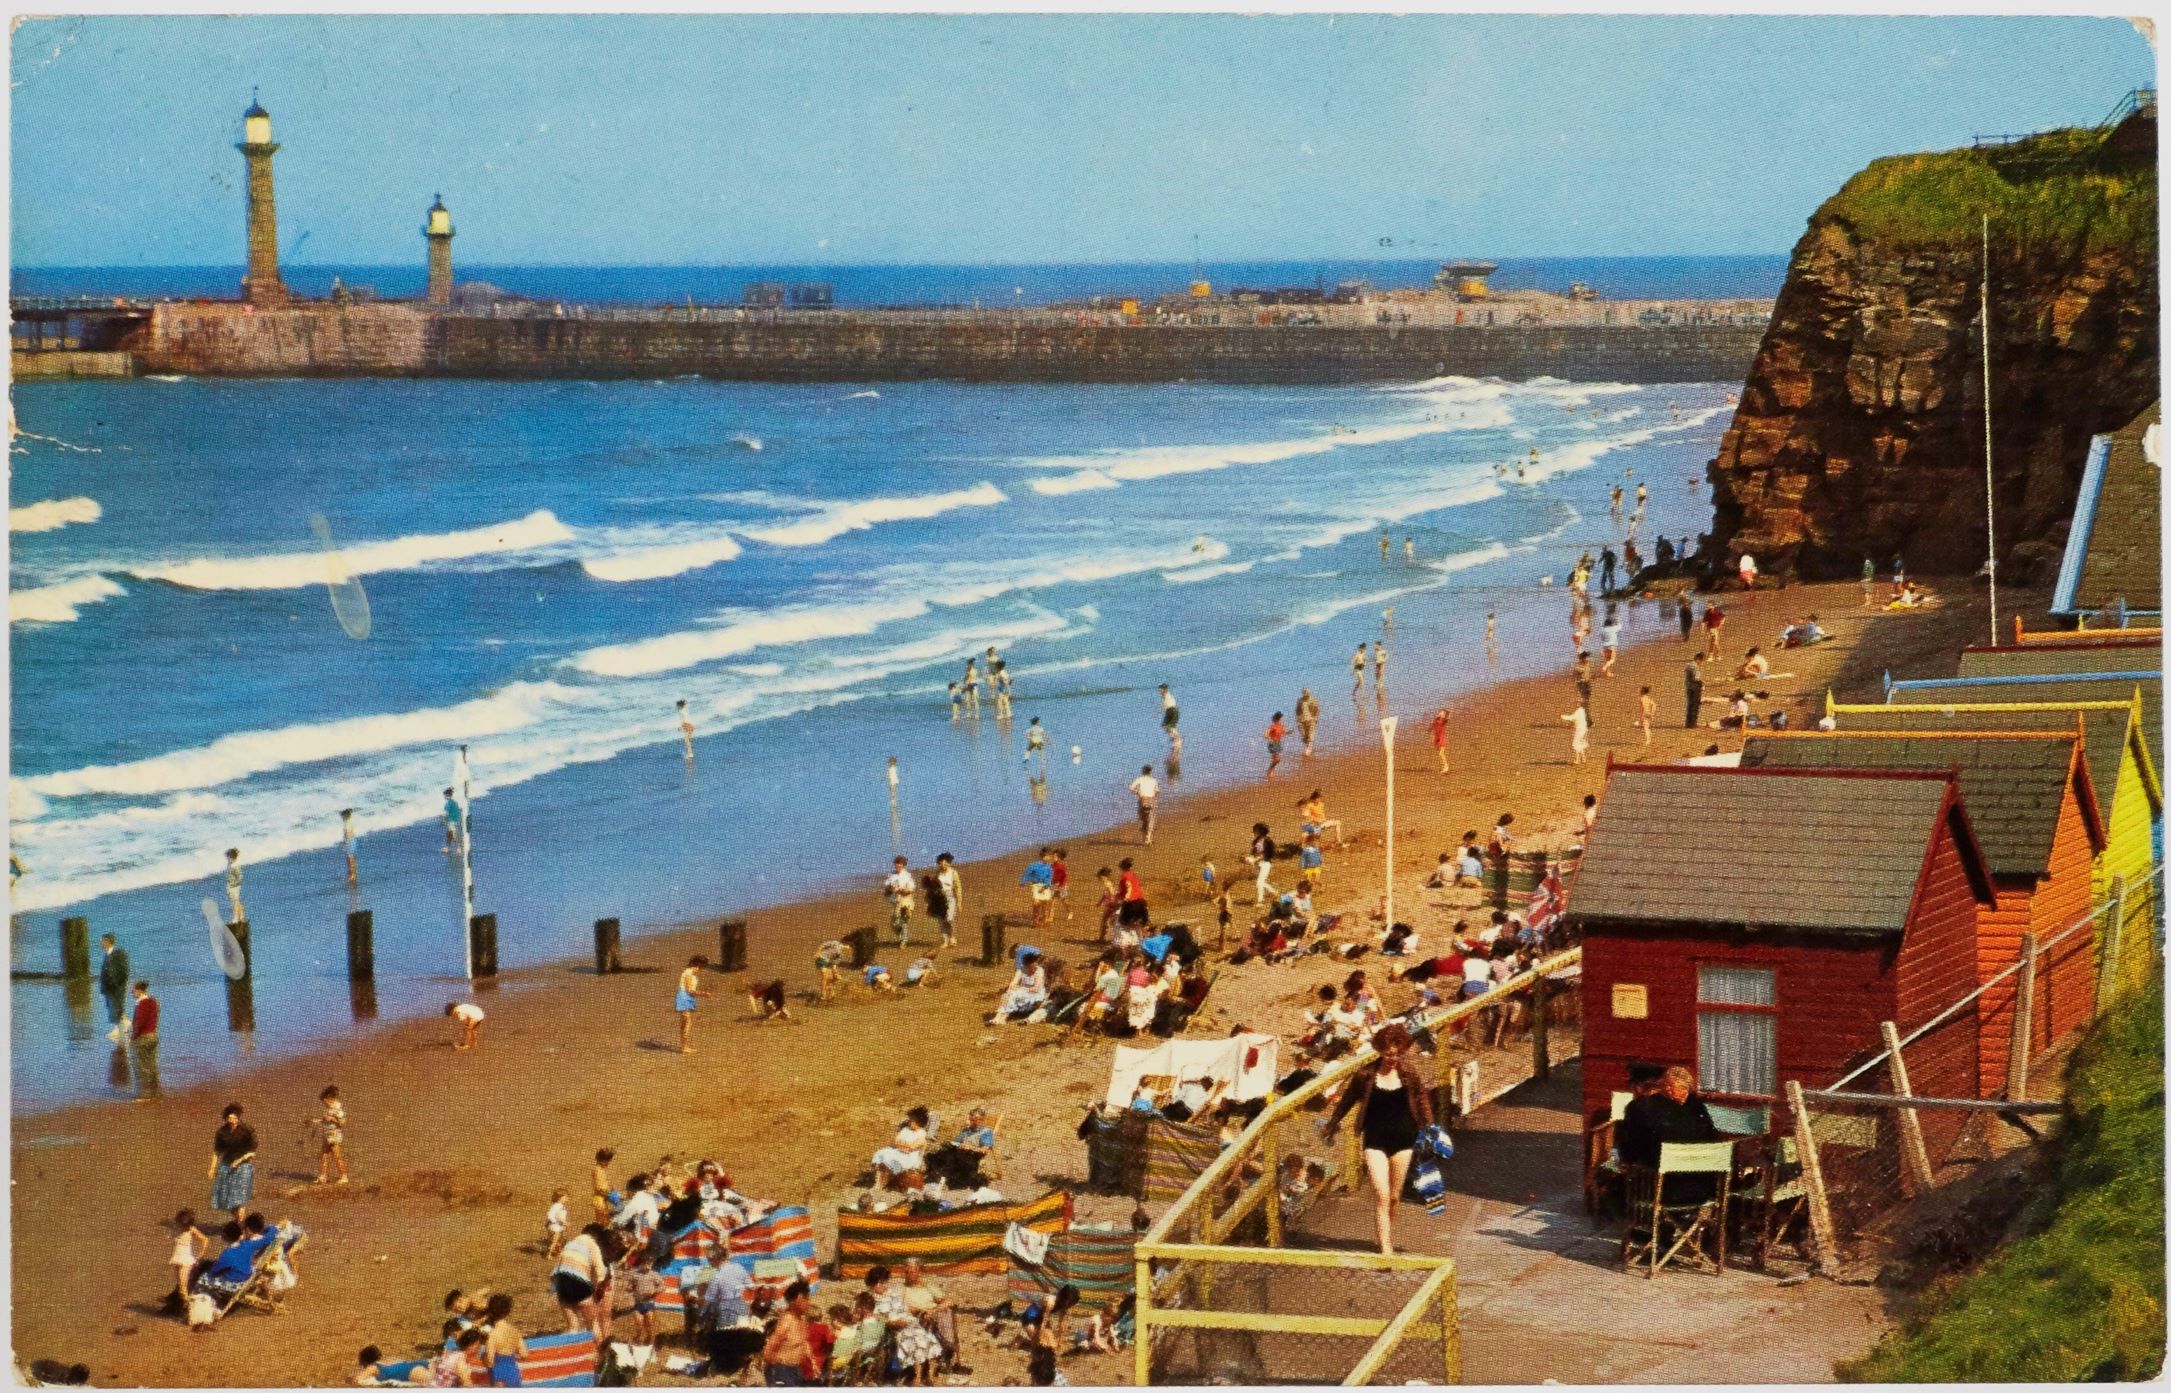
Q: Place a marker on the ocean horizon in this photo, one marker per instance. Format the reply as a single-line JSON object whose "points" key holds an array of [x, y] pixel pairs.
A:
{"points": [[908, 285]]}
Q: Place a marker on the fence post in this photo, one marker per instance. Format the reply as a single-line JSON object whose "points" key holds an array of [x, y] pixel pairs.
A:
{"points": [[1821, 1238], [1141, 1336], [2016, 1048], [1915, 1157], [75, 949], [607, 959], [1451, 1327], [1541, 1065], [2108, 971]]}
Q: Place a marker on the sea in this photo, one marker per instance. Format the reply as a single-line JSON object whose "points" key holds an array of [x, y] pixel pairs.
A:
{"points": [[240, 607]]}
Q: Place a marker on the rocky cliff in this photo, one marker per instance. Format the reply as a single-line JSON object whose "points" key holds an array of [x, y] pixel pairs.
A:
{"points": [[1860, 428]]}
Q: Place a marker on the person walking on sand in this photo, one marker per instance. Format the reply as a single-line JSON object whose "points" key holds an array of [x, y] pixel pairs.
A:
{"points": [[470, 1016], [233, 1163], [1307, 719], [1609, 639], [1059, 882], [331, 1125], [1714, 620], [1645, 710], [953, 896], [1039, 883], [1274, 734], [602, 1197], [1147, 790], [1439, 737], [1692, 693], [689, 1001], [1579, 729], [113, 982], [1356, 671], [1169, 717], [143, 1043], [233, 885], [900, 888], [1261, 860], [686, 729], [1684, 613], [346, 838]]}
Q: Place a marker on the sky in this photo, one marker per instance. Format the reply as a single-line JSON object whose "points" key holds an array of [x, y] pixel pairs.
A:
{"points": [[680, 140]]}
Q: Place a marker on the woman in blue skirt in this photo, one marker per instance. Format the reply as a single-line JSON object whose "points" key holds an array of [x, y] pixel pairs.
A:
{"points": [[233, 1163]]}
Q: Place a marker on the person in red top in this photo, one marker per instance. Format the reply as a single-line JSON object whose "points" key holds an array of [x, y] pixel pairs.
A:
{"points": [[1276, 732], [1130, 899], [1714, 617], [143, 1042], [1439, 736]]}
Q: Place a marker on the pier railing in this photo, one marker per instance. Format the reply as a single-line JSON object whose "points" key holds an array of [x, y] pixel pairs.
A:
{"points": [[1220, 1295]]}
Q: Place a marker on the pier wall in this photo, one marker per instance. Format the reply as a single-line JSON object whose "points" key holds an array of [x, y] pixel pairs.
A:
{"points": [[411, 340], [232, 340]]}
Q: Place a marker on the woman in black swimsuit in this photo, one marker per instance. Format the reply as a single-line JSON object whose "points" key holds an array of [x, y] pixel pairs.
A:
{"points": [[1393, 1103]]}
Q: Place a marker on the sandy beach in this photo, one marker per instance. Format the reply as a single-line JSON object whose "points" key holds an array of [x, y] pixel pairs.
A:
{"points": [[455, 1154]]}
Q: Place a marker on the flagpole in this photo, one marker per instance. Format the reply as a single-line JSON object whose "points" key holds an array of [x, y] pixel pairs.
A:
{"points": [[1990, 478], [1387, 740]]}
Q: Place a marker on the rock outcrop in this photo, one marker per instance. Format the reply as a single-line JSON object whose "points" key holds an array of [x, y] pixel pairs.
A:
{"points": [[1860, 429]]}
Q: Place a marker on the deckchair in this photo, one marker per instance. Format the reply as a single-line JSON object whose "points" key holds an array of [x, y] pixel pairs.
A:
{"points": [[1781, 1197], [1601, 1169], [1660, 1230]]}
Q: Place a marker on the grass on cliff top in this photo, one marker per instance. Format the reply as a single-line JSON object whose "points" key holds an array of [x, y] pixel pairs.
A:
{"points": [[2052, 192], [2082, 1298]]}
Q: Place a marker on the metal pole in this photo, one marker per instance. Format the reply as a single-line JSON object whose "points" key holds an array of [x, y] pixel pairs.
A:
{"points": [[1990, 478], [1387, 740]]}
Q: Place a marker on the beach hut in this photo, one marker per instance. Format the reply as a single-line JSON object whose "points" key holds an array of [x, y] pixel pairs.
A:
{"points": [[2072, 658], [2113, 559], [1757, 925], [2034, 814], [2128, 788], [2043, 689]]}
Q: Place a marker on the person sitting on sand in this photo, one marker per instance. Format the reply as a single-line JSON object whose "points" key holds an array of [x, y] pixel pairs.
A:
{"points": [[1443, 872], [503, 1348], [827, 959], [920, 972], [878, 978], [1028, 990], [470, 1017], [1313, 810], [902, 1164], [1753, 665], [1737, 713], [766, 1000]]}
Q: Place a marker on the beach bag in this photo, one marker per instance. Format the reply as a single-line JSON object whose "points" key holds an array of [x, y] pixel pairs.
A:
{"points": [[1428, 1184], [203, 1312]]}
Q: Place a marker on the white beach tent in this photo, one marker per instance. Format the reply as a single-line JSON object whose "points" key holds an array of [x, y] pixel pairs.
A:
{"points": [[1248, 1063]]}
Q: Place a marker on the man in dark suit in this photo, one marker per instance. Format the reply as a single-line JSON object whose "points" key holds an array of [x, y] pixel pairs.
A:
{"points": [[113, 978]]}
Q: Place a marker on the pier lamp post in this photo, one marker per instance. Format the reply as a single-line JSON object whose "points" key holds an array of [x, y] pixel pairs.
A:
{"points": [[1387, 743]]}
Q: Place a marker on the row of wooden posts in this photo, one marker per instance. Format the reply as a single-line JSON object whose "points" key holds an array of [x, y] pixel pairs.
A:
{"points": [[482, 929]]}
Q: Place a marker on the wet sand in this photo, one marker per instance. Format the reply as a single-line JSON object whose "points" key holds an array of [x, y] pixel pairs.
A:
{"points": [[455, 1154]]}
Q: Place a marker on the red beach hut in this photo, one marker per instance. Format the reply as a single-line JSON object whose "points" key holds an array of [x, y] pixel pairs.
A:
{"points": [[1757, 926]]}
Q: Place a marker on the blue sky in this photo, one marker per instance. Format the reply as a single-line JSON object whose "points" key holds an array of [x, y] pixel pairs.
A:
{"points": [[808, 139]]}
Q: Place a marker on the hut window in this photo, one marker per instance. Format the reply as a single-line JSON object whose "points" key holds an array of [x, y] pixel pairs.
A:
{"points": [[1737, 1031]]}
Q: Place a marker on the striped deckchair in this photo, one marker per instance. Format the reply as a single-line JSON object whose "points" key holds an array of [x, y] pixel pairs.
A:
{"points": [[1097, 1261], [777, 1251], [961, 1240], [1175, 1155]]}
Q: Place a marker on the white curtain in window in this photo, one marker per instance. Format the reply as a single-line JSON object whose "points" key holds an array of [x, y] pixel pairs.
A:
{"points": [[1734, 986], [1736, 1051]]}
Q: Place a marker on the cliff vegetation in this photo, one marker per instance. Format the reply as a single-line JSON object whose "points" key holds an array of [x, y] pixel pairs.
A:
{"points": [[1860, 429]]}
